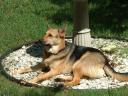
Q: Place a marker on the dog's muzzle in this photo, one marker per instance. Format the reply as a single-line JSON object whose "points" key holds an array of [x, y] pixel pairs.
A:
{"points": [[47, 46]]}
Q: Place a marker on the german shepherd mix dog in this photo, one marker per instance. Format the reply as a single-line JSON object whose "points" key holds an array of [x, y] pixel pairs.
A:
{"points": [[63, 57]]}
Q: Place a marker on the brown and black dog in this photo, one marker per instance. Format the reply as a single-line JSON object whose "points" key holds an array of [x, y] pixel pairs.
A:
{"points": [[63, 57]]}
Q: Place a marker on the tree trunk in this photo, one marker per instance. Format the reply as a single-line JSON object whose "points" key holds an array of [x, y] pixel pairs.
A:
{"points": [[81, 23]]}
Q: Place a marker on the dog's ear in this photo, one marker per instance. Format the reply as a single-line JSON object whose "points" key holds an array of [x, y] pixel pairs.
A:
{"points": [[48, 26], [62, 32]]}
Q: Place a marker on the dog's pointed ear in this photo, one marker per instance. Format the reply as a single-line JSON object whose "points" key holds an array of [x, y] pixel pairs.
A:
{"points": [[62, 32], [48, 27]]}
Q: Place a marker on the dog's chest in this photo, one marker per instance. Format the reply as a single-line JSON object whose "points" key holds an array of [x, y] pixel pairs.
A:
{"points": [[54, 49]]}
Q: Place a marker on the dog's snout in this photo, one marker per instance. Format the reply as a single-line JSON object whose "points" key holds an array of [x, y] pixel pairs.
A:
{"points": [[42, 41], [45, 43]]}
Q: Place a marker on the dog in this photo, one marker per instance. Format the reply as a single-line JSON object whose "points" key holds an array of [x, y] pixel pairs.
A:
{"points": [[60, 56]]}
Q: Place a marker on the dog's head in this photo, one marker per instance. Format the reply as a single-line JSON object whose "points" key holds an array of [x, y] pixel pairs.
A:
{"points": [[55, 39]]}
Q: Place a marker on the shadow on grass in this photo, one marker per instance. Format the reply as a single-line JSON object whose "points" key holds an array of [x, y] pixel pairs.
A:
{"points": [[64, 13], [109, 14], [58, 12], [104, 14]]}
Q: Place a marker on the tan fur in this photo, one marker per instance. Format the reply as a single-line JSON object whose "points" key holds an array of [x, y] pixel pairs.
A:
{"points": [[91, 64]]}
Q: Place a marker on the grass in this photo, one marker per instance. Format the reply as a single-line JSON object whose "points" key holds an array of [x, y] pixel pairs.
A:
{"points": [[9, 88], [22, 21]]}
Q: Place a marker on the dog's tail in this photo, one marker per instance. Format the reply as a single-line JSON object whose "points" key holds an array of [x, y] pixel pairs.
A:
{"points": [[115, 75]]}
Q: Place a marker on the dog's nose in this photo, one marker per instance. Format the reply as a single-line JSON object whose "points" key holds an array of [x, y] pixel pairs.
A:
{"points": [[42, 41], [45, 43]]}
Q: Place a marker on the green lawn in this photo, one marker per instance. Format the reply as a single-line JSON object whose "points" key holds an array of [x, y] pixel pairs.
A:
{"points": [[22, 21], [9, 88]]}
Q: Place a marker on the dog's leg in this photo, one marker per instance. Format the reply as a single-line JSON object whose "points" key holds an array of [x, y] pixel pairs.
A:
{"points": [[20, 70], [44, 76], [27, 69], [52, 72], [75, 81], [64, 79], [76, 78], [38, 66]]}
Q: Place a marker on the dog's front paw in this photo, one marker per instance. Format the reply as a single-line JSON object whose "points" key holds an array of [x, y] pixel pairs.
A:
{"points": [[20, 70], [33, 81], [15, 71], [30, 84]]}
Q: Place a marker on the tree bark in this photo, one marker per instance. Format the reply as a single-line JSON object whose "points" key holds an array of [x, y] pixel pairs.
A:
{"points": [[81, 23]]}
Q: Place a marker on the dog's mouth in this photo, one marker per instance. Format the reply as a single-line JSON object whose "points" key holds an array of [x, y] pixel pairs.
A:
{"points": [[48, 46], [51, 48]]}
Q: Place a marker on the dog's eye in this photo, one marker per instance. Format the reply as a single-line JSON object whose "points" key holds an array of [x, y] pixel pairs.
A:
{"points": [[49, 35]]}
